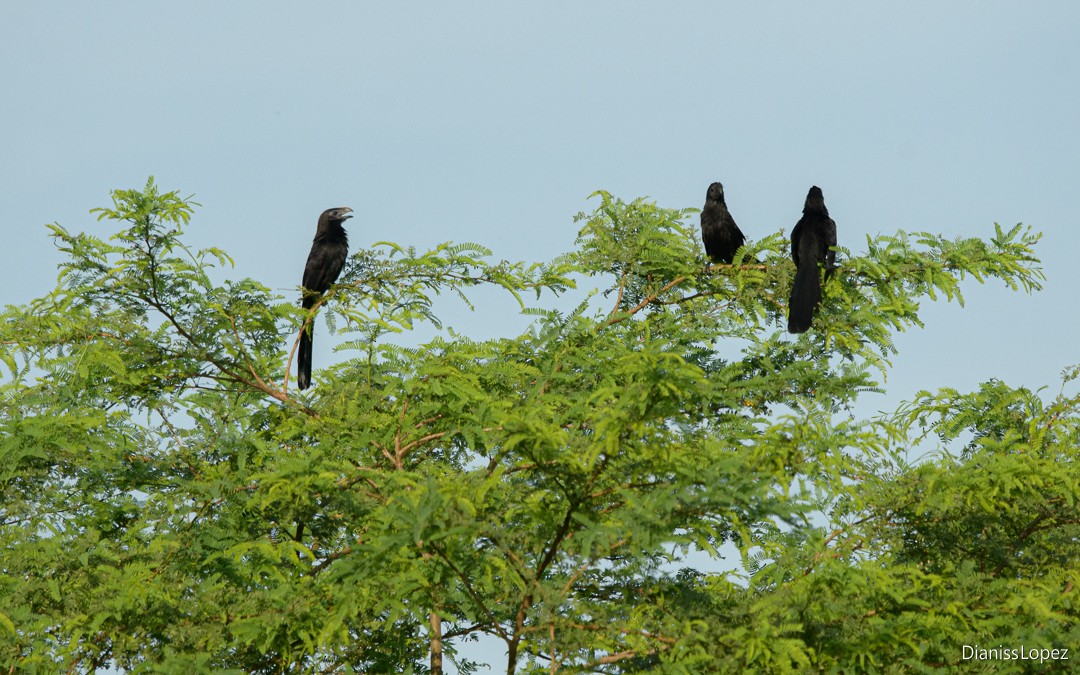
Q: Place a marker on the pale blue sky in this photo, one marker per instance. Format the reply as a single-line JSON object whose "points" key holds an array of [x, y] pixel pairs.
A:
{"points": [[492, 122]]}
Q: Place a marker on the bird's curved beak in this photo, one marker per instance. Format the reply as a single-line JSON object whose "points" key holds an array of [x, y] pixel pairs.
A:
{"points": [[345, 212]]}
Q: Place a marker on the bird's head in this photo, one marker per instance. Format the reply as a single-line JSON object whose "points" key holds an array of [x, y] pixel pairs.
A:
{"points": [[338, 214], [715, 193], [815, 200]]}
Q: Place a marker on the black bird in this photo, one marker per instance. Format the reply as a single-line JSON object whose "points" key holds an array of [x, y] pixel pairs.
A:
{"points": [[810, 241], [324, 263], [721, 236]]}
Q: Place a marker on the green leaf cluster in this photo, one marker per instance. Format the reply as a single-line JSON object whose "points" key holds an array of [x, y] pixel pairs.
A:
{"points": [[170, 504]]}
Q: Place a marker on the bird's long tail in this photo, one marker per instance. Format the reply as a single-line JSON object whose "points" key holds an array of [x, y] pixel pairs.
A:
{"points": [[805, 296], [303, 358]]}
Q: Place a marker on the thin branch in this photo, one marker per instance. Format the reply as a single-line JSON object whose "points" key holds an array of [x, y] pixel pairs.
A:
{"points": [[615, 658], [420, 441], [619, 297], [585, 565], [644, 303], [625, 631], [472, 592], [462, 631]]}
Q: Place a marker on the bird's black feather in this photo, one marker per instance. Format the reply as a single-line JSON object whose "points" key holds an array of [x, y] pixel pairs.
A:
{"points": [[328, 253], [721, 236], [811, 240]]}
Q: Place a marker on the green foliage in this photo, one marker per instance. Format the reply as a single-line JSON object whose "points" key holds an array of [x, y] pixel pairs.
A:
{"points": [[171, 505]]}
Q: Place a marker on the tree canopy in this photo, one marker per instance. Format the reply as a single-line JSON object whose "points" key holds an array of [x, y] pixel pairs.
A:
{"points": [[548, 489]]}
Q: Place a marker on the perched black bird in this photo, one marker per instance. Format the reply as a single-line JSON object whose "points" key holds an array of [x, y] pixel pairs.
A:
{"points": [[721, 236], [810, 241], [324, 263]]}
